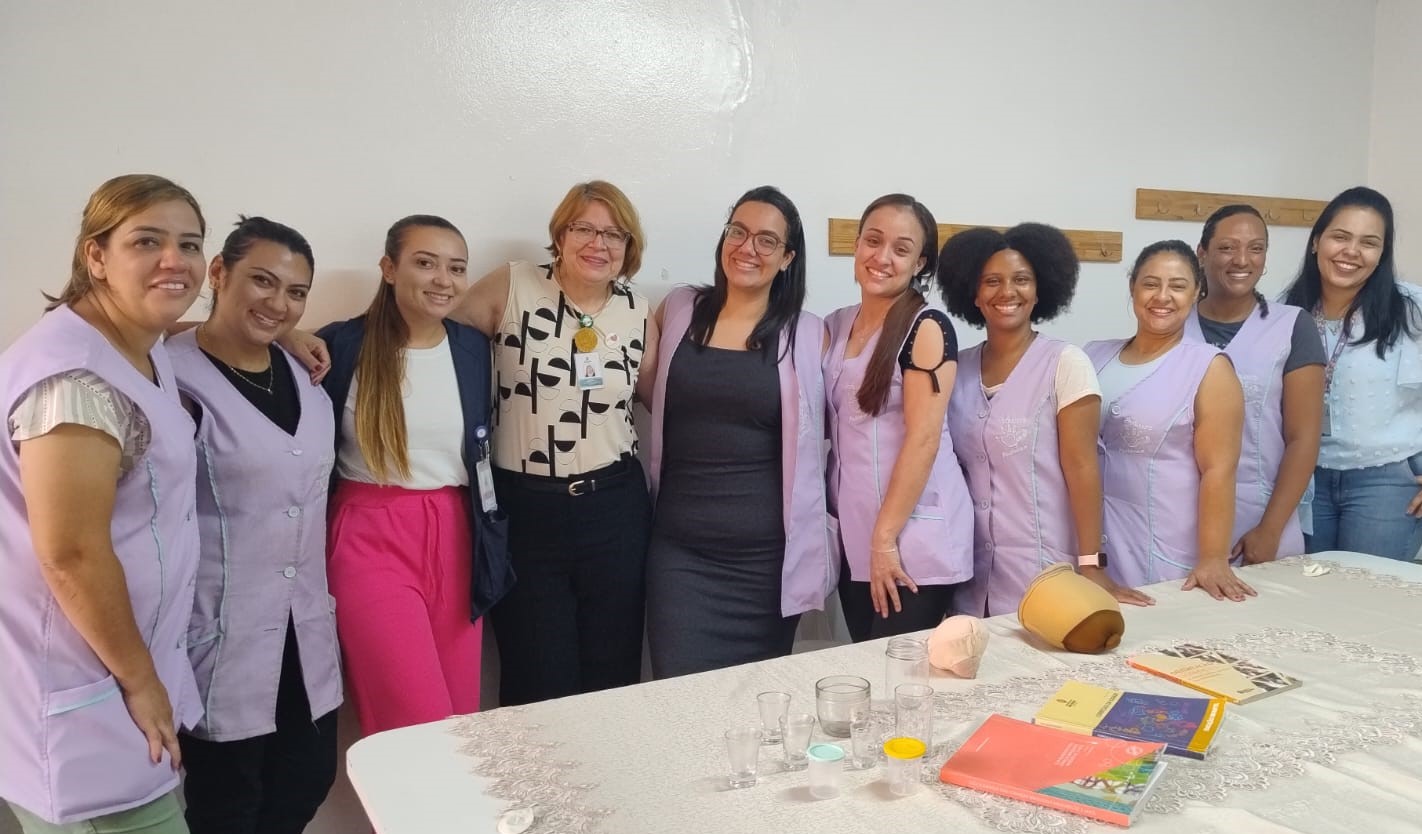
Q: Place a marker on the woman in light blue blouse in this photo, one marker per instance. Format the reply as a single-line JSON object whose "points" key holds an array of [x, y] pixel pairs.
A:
{"points": [[1369, 471]]}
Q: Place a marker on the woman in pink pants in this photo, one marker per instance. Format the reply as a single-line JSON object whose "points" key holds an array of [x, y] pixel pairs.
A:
{"points": [[414, 561]]}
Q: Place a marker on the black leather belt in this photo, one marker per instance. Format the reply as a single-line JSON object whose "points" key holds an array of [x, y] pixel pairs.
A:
{"points": [[584, 484]]}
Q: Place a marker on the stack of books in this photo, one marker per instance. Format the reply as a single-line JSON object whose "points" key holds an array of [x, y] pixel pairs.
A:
{"points": [[1185, 725]]}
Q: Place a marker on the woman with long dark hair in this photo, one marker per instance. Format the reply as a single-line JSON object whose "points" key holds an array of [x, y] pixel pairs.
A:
{"points": [[895, 487], [739, 548], [1279, 359], [1366, 496]]}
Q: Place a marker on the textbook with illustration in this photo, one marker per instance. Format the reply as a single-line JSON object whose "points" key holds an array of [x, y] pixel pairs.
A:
{"points": [[1185, 725], [1215, 673], [1103, 778]]}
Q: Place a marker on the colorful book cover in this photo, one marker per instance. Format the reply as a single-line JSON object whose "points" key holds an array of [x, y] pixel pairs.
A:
{"points": [[1185, 725], [1215, 673], [1103, 778]]}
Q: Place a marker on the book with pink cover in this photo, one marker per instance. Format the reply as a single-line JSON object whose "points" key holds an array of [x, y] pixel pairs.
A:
{"points": [[1102, 778]]}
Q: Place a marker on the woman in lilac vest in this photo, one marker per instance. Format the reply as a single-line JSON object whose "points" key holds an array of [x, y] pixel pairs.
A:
{"points": [[1024, 416], [98, 540], [894, 486], [739, 548], [263, 636], [1279, 359], [1170, 435]]}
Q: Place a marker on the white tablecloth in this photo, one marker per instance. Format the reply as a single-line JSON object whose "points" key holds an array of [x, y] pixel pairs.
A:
{"points": [[1342, 753]]}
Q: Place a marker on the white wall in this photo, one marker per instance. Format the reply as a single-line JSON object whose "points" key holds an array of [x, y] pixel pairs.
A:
{"points": [[340, 122], [339, 118], [1394, 166]]}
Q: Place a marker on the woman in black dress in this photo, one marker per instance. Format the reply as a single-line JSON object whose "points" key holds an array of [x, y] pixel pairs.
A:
{"points": [[738, 548]]}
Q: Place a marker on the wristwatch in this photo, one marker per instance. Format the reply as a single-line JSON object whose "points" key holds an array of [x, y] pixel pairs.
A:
{"points": [[1092, 560]]}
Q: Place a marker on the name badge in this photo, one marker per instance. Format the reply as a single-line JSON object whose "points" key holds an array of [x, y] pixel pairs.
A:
{"points": [[484, 473], [588, 367]]}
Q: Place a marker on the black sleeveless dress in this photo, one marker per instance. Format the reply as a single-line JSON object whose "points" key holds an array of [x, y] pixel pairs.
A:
{"points": [[718, 534]]}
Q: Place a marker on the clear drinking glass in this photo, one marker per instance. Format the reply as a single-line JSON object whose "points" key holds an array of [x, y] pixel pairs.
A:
{"points": [[774, 706], [795, 732], [905, 661], [864, 744], [838, 699], [913, 712], [826, 763], [743, 753]]}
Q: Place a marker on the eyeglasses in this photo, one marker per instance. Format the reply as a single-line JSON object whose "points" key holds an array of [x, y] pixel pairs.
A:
{"points": [[765, 243], [582, 233]]}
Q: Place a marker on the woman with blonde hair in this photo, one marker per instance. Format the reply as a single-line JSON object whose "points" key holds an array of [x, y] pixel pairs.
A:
{"points": [[570, 337], [98, 540], [416, 552]]}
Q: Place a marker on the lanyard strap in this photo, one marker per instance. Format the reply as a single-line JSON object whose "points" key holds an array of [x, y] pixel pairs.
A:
{"points": [[1322, 325]]}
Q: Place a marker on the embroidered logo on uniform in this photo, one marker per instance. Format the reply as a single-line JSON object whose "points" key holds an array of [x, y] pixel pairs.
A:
{"points": [[1012, 434]]}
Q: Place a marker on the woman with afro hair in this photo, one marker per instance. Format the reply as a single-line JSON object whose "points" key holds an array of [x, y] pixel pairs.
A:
{"points": [[1024, 416]]}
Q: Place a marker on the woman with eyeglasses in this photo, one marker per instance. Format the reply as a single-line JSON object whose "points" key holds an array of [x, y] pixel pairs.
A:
{"points": [[905, 518], [739, 548], [569, 337]]}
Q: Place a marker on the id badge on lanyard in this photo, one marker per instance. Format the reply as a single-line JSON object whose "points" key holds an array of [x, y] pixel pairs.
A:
{"points": [[484, 473], [1322, 326]]}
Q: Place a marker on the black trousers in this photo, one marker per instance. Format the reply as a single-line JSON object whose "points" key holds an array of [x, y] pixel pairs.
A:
{"points": [[573, 621], [923, 610], [269, 784]]}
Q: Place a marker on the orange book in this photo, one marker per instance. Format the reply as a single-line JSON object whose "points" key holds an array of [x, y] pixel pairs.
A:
{"points": [[1102, 778]]}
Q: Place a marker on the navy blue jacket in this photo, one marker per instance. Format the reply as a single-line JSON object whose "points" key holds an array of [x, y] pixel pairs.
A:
{"points": [[493, 574]]}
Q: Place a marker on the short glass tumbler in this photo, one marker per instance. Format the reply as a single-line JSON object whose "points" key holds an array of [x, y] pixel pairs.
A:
{"points": [[838, 699], [743, 754], [773, 706], [795, 732]]}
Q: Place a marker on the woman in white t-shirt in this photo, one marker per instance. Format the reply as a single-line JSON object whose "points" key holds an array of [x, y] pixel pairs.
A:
{"points": [[1024, 416]]}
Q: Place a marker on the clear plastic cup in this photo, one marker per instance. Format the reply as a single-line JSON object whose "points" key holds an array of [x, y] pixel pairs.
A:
{"points": [[864, 744], [904, 760], [773, 706], [743, 754], [826, 764]]}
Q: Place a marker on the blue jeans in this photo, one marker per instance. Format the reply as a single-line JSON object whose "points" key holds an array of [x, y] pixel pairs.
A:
{"points": [[1365, 510]]}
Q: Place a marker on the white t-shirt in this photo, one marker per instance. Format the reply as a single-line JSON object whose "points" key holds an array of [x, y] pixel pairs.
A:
{"points": [[1076, 378], [434, 425]]}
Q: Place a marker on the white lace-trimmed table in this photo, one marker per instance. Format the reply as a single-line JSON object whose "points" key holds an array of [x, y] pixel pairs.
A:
{"points": [[1342, 753]]}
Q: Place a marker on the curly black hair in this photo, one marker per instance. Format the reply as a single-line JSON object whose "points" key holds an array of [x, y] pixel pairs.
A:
{"points": [[1046, 249]]}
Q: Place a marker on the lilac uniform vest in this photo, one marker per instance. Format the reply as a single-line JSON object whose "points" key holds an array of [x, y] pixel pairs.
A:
{"points": [[1150, 482], [935, 546], [811, 567], [1259, 351], [68, 749], [261, 504], [1008, 448]]}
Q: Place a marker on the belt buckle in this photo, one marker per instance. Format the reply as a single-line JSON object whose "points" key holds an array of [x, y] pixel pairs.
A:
{"points": [[579, 487]]}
